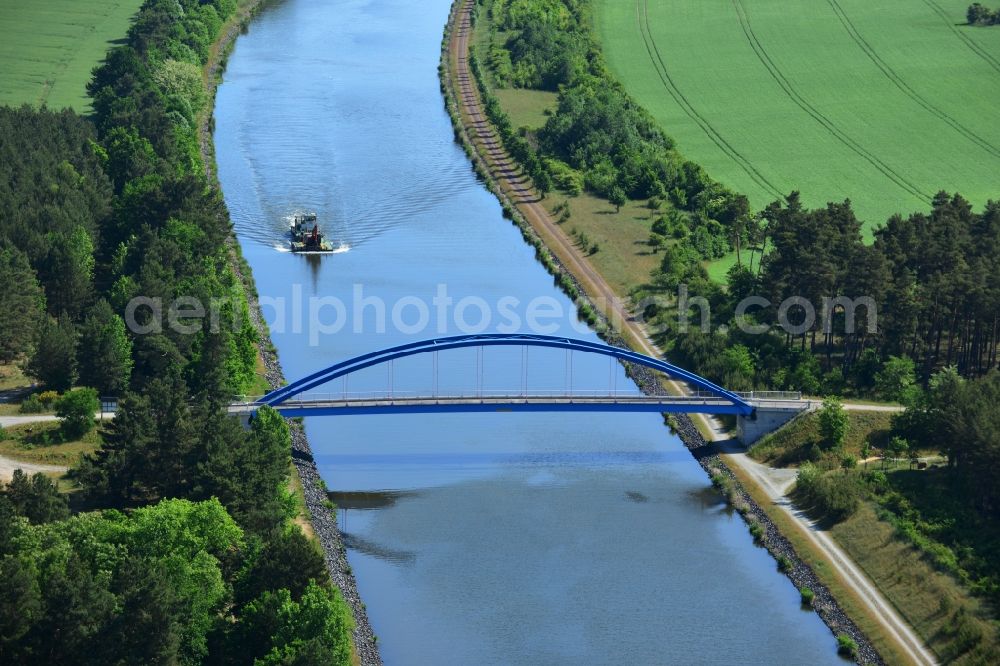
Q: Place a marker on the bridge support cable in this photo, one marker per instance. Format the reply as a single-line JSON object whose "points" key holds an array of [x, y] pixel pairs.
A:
{"points": [[434, 366], [479, 371], [524, 370]]}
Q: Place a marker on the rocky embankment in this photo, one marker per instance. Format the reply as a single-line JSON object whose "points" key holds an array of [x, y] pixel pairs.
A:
{"points": [[323, 519]]}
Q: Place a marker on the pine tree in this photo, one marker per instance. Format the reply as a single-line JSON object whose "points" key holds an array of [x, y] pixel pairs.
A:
{"points": [[36, 498], [54, 360], [246, 471], [105, 351], [68, 272], [21, 302]]}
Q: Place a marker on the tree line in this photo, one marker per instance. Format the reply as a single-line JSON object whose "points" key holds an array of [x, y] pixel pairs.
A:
{"points": [[931, 279], [182, 548], [597, 139]]}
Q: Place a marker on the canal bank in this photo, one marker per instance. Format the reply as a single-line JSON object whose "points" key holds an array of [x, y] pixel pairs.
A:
{"points": [[599, 304], [321, 516]]}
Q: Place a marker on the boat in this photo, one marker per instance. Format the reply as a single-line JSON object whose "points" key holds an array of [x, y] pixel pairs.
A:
{"points": [[306, 236]]}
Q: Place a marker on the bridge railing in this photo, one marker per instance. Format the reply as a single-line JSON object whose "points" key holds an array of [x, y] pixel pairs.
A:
{"points": [[757, 395], [358, 396], [771, 395], [385, 395]]}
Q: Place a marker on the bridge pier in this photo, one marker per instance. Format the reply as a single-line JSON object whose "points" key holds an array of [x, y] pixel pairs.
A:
{"points": [[765, 420], [244, 418]]}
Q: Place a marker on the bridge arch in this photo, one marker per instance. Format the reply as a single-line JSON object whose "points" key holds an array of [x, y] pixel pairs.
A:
{"points": [[337, 370]]}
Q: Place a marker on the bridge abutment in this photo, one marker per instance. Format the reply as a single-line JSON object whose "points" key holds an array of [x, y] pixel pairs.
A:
{"points": [[765, 420]]}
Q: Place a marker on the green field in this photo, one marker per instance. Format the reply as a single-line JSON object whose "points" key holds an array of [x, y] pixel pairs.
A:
{"points": [[49, 47], [883, 103], [526, 108]]}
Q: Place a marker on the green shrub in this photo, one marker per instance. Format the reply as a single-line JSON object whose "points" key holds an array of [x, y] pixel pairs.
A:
{"points": [[48, 397], [836, 496], [807, 596], [878, 482], [784, 564], [31, 405], [76, 409], [846, 646], [722, 482]]}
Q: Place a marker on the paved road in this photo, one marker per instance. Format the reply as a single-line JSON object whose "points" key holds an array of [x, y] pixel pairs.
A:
{"points": [[22, 419], [859, 407], [8, 421], [776, 484], [8, 465]]}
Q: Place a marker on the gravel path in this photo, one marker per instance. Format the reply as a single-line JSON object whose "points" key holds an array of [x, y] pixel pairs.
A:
{"points": [[776, 484], [8, 465]]}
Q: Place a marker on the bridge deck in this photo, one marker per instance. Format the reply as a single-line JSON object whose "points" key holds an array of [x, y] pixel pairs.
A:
{"points": [[485, 402]]}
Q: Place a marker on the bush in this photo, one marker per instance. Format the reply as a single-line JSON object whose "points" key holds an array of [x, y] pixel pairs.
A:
{"points": [[878, 482], [31, 405], [807, 596], [76, 409], [836, 496], [722, 482], [832, 423], [846, 646], [48, 397], [784, 564]]}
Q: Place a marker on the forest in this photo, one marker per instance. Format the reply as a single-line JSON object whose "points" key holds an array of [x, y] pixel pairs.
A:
{"points": [[179, 545], [930, 276]]}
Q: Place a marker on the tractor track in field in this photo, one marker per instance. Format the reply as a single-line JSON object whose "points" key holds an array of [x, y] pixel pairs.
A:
{"points": [[793, 94], [642, 19], [903, 86], [975, 48]]}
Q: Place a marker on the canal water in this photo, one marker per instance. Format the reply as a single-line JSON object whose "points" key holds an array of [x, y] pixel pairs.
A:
{"points": [[475, 538]]}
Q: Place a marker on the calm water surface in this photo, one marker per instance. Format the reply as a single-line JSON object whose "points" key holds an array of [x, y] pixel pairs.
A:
{"points": [[486, 538]]}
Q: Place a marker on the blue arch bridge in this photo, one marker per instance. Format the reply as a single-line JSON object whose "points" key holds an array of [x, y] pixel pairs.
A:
{"points": [[757, 413]]}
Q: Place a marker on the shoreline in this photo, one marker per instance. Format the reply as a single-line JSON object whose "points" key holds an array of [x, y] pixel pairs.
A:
{"points": [[453, 76], [321, 518]]}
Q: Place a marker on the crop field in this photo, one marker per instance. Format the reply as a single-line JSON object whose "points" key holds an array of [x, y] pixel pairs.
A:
{"points": [[49, 47], [884, 103]]}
